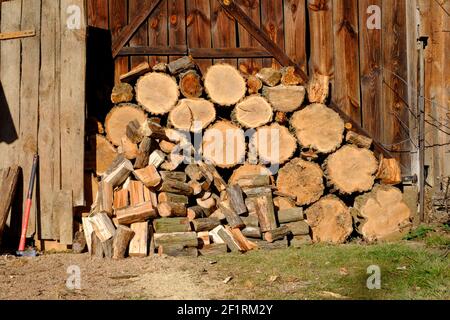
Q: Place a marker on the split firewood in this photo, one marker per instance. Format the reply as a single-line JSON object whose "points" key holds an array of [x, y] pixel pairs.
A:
{"points": [[157, 92], [160, 67], [302, 180], [224, 84], [227, 237], [170, 225], [101, 154], [180, 65], [269, 76], [276, 234], [319, 128], [172, 197], [191, 84], [134, 132], [167, 147], [254, 192], [264, 245], [274, 144], [284, 203], [351, 169], [382, 214], [236, 199], [205, 224], [389, 172], [122, 92], [330, 220], [318, 88], [136, 190], [254, 181], [248, 170], [214, 249], [285, 98], [176, 176], [118, 172], [224, 144], [253, 112], [185, 239], [196, 186], [118, 119], [243, 242], [136, 72], [139, 243], [194, 173], [96, 246], [298, 228], [300, 241], [290, 215], [88, 229], [263, 206], [208, 204], [197, 212], [79, 242], [232, 217], [252, 232], [218, 214], [290, 77], [103, 226], [172, 209], [254, 84], [203, 239], [129, 149], [192, 115], [211, 173], [120, 199], [149, 176], [358, 140], [137, 213], [154, 130], [177, 187], [281, 118], [145, 148], [108, 249], [251, 220], [156, 158], [121, 241], [105, 198]]}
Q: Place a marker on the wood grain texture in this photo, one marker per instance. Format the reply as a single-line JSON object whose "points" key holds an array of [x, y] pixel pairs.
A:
{"points": [[141, 37], [295, 31], [370, 71], [253, 10], [48, 141], [118, 18], [223, 30], [199, 28], [63, 209], [395, 115], [29, 99], [158, 31], [97, 13], [72, 112], [273, 24], [346, 93], [176, 12]]}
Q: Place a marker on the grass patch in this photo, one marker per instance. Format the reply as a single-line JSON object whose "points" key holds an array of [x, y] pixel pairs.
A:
{"points": [[418, 233], [329, 272]]}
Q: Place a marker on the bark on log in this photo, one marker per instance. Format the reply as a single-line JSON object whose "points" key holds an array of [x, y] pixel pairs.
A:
{"points": [[145, 148], [121, 241], [358, 140], [298, 228], [177, 176], [254, 85], [170, 225], [160, 67], [157, 93], [224, 144], [96, 246], [382, 214], [118, 172], [191, 84], [300, 241], [210, 172], [197, 212], [224, 84], [118, 119], [176, 187], [180, 65], [185, 239], [269, 76], [214, 249], [302, 180], [136, 72], [252, 232], [330, 220], [247, 170], [290, 215], [232, 217], [274, 144], [134, 131], [236, 199], [172, 209], [205, 224], [276, 234], [138, 213], [194, 173], [351, 169], [122, 92], [192, 115], [172, 197], [253, 112], [319, 128], [285, 98], [177, 251], [264, 209]]}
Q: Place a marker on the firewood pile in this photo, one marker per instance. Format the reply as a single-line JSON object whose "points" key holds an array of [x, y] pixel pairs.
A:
{"points": [[191, 164]]}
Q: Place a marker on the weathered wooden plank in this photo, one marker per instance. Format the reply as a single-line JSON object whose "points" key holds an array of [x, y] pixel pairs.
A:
{"points": [[10, 60], [97, 13], [223, 30], [177, 24], [321, 38], [197, 53], [72, 108], [395, 112], [295, 31], [140, 38], [158, 31], [17, 34], [8, 185], [48, 141], [63, 209], [29, 98], [199, 28], [118, 18], [273, 25], [252, 9], [346, 58], [370, 40]]}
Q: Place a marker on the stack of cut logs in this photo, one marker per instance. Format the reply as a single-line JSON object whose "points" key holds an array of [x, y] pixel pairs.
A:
{"points": [[161, 190]]}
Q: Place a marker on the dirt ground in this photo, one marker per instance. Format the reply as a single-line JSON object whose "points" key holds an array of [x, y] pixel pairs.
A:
{"points": [[45, 277]]}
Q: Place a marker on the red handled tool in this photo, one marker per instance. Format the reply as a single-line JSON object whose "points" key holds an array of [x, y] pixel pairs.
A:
{"points": [[26, 215]]}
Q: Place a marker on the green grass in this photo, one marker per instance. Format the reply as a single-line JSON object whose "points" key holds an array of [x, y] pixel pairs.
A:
{"points": [[408, 271]]}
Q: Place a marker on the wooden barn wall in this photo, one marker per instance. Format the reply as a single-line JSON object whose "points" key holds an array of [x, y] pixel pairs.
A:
{"points": [[42, 108]]}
